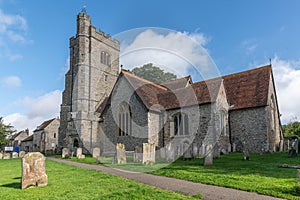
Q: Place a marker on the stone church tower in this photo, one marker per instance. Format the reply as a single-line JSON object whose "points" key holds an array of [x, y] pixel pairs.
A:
{"points": [[94, 68]]}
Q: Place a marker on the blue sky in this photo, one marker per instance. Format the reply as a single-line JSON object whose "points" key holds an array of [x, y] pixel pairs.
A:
{"points": [[238, 35]]}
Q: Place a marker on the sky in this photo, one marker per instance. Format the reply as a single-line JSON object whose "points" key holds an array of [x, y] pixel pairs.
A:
{"points": [[230, 36]]}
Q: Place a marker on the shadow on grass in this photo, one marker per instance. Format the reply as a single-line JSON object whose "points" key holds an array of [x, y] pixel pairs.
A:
{"points": [[14, 185]]}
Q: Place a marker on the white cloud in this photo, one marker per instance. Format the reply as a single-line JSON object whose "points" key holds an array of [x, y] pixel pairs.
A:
{"points": [[37, 110], [11, 81], [175, 52], [250, 45], [14, 57], [287, 80]]}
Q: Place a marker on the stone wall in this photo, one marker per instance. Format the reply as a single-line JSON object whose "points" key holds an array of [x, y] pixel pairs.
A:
{"points": [[139, 119], [88, 82], [250, 126]]}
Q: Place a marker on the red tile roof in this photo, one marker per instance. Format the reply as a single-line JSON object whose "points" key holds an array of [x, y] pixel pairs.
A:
{"points": [[248, 88], [243, 90]]}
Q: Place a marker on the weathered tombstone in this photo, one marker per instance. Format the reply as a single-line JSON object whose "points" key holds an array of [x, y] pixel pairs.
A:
{"points": [[187, 154], [246, 152], [121, 156], [233, 147], [34, 170], [208, 159], [138, 154], [169, 152], [294, 148], [65, 153], [15, 155], [148, 153], [96, 152], [22, 154], [79, 152], [80, 156], [6, 156], [1, 155], [195, 150]]}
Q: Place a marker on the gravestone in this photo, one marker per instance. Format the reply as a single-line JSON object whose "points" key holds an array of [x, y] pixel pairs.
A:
{"points": [[65, 153], [169, 152], [246, 152], [34, 170], [22, 154], [79, 153], [148, 153], [6, 156], [208, 159], [96, 152], [233, 147], [1, 155], [195, 151], [15, 155], [187, 155], [121, 155], [294, 148], [81, 156], [138, 154]]}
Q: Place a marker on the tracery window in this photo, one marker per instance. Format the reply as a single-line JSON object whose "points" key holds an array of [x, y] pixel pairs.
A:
{"points": [[181, 124], [124, 120]]}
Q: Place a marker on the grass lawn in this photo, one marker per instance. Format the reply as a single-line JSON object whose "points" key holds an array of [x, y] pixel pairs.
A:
{"points": [[260, 174], [69, 182]]}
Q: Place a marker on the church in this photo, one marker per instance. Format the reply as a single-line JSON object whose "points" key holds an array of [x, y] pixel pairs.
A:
{"points": [[103, 105]]}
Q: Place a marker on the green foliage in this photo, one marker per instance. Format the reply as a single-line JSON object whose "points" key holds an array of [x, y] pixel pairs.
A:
{"points": [[5, 132], [291, 129], [153, 73], [70, 182]]}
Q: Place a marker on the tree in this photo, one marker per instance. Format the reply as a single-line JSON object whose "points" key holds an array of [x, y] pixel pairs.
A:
{"points": [[5, 132], [153, 73], [291, 129]]}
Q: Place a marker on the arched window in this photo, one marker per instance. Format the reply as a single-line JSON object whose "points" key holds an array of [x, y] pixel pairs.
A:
{"points": [[105, 58], [124, 120], [181, 124], [54, 135]]}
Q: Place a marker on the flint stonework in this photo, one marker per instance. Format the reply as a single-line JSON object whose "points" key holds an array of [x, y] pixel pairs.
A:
{"points": [[34, 170]]}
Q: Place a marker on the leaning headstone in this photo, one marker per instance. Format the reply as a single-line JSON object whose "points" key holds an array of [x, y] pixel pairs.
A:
{"points": [[34, 170], [138, 154], [208, 159], [65, 153], [148, 153], [96, 152], [15, 155], [6, 156], [1, 155], [121, 156], [21, 154], [79, 152]]}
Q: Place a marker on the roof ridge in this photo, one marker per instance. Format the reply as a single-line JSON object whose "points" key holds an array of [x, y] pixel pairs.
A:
{"points": [[248, 71], [144, 80]]}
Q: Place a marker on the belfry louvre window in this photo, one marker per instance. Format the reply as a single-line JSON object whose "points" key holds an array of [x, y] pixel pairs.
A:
{"points": [[124, 120], [105, 58], [181, 124]]}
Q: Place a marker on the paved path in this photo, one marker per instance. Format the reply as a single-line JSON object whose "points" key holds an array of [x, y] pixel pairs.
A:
{"points": [[209, 192]]}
